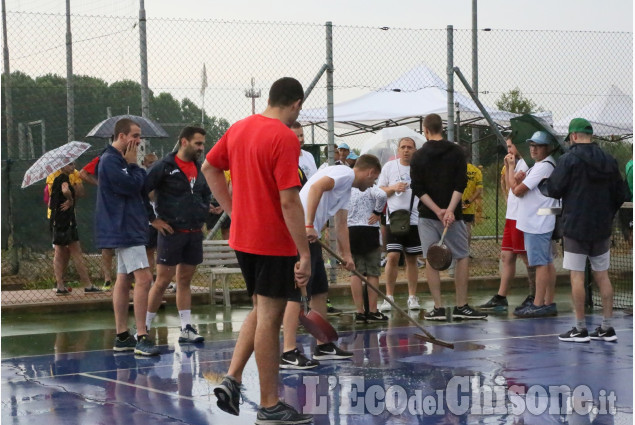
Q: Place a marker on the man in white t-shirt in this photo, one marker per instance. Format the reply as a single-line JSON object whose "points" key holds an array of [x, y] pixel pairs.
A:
{"points": [[395, 181], [306, 161], [537, 229], [326, 194], [513, 244]]}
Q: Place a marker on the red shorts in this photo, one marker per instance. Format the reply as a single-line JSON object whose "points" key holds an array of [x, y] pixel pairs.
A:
{"points": [[513, 239]]}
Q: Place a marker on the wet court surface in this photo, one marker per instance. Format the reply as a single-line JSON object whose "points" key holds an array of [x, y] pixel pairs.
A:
{"points": [[502, 370]]}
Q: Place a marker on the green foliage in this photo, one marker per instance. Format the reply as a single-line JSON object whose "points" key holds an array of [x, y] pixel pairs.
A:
{"points": [[514, 101]]}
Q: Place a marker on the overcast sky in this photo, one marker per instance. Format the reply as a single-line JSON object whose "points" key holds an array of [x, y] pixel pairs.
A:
{"points": [[583, 15]]}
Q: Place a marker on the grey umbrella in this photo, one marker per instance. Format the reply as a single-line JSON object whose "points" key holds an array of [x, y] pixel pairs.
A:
{"points": [[149, 128]]}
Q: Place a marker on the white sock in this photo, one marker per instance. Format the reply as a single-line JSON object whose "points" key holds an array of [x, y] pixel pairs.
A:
{"points": [[186, 318], [149, 318]]}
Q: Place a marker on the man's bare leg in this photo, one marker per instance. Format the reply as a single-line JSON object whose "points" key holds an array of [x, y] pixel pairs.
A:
{"points": [[244, 344], [165, 274], [392, 268], [460, 280], [606, 291], [290, 324], [143, 279], [412, 273], [184, 274], [120, 301], [267, 346], [434, 283]]}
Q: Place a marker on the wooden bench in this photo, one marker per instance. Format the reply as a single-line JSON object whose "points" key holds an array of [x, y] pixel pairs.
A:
{"points": [[217, 255]]}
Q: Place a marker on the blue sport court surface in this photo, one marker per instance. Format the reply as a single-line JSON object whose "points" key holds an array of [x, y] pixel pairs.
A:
{"points": [[502, 371]]}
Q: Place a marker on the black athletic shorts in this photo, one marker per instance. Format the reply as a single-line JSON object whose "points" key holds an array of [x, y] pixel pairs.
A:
{"points": [[180, 248], [268, 275], [153, 235], [318, 283], [64, 236]]}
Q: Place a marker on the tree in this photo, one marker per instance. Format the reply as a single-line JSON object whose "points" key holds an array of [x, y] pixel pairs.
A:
{"points": [[514, 101]]}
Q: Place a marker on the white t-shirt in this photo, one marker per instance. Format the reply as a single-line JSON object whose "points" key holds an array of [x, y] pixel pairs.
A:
{"points": [[307, 163], [335, 199], [513, 200], [528, 219], [363, 204], [394, 172]]}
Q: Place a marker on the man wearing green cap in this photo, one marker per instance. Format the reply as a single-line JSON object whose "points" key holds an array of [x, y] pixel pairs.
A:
{"points": [[591, 187]]}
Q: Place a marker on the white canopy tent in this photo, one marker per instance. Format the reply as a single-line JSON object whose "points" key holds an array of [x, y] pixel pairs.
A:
{"points": [[610, 115], [405, 101]]}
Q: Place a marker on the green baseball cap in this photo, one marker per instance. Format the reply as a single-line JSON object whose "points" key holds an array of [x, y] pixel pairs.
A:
{"points": [[579, 125]]}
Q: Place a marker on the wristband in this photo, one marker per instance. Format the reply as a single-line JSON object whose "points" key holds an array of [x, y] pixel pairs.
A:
{"points": [[377, 212], [309, 226]]}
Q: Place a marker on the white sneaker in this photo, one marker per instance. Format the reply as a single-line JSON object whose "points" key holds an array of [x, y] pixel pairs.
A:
{"points": [[413, 303], [385, 306]]}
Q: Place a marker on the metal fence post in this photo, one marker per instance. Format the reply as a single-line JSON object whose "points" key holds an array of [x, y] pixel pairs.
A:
{"points": [[70, 93], [475, 130], [450, 77], [331, 133]]}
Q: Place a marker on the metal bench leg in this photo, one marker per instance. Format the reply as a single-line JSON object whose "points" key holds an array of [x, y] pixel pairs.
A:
{"points": [[212, 290], [226, 299]]}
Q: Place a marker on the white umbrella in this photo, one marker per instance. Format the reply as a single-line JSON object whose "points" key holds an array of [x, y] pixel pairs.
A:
{"points": [[384, 143], [52, 161]]}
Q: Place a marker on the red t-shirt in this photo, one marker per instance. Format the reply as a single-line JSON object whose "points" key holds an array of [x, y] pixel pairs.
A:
{"points": [[262, 154], [91, 166], [188, 168]]}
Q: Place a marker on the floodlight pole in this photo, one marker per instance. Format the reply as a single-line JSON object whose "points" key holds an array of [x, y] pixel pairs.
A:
{"points": [[450, 77], [475, 130], [12, 151], [70, 92]]}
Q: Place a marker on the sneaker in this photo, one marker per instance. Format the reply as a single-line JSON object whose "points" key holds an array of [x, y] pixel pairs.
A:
{"points": [[529, 300], [107, 286], [145, 347], [189, 334], [228, 394], [531, 310], [575, 335], [413, 303], [385, 305], [436, 314], [496, 304], [127, 344], [467, 312], [281, 413], [360, 318], [171, 288], [383, 262], [603, 335], [376, 316], [296, 360], [92, 289], [421, 263], [330, 310], [548, 310], [330, 351], [63, 291]]}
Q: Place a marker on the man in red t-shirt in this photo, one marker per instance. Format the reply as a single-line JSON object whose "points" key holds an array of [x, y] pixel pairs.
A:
{"points": [[267, 232]]}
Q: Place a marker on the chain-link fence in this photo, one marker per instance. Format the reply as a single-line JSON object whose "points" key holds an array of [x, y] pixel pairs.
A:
{"points": [[554, 72]]}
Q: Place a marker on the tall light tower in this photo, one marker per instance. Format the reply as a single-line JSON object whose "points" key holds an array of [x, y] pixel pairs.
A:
{"points": [[253, 94]]}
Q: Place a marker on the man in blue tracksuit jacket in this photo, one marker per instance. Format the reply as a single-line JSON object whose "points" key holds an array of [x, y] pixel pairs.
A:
{"points": [[182, 201], [121, 223]]}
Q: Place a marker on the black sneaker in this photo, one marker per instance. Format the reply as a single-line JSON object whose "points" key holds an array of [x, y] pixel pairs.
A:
{"points": [[526, 303], [92, 289], [62, 291], [228, 395], [376, 316], [497, 303], [127, 344], [360, 318], [296, 360], [575, 335], [467, 312], [281, 413], [145, 347], [330, 351], [330, 310], [435, 314], [603, 335]]}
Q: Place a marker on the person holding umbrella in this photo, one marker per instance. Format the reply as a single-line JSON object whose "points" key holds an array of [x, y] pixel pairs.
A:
{"points": [[122, 223], [63, 225]]}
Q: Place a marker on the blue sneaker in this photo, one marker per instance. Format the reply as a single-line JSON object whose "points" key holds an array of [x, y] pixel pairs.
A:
{"points": [[228, 394], [281, 413], [497, 303], [145, 347], [530, 311], [547, 310], [127, 344]]}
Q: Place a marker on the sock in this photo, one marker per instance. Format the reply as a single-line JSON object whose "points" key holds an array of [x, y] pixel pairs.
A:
{"points": [[186, 318], [580, 325], [123, 336], [500, 297], [149, 318], [606, 323]]}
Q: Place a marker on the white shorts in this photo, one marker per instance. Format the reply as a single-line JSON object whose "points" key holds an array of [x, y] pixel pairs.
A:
{"points": [[576, 252], [131, 259]]}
